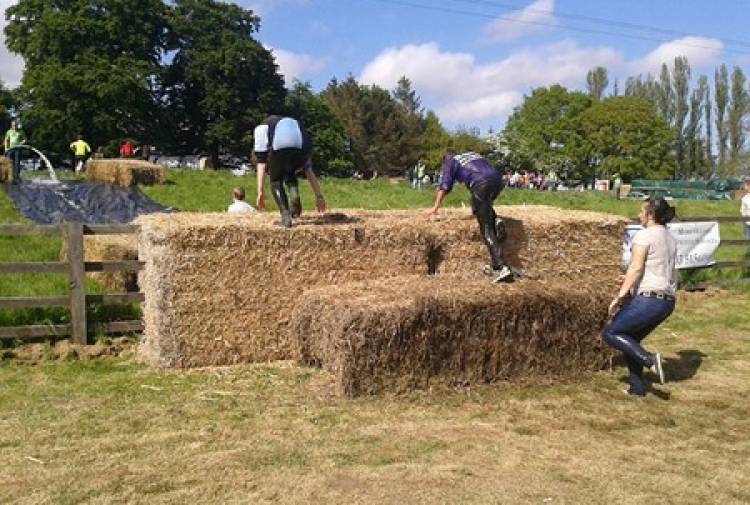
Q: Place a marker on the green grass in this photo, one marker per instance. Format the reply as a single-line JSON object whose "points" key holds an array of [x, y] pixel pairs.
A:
{"points": [[116, 432]]}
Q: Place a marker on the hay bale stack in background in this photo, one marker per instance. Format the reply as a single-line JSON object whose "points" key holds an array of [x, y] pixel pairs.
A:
{"points": [[220, 289], [6, 169], [109, 248], [125, 173], [378, 337]]}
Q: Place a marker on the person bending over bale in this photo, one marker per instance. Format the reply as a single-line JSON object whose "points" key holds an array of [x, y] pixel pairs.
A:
{"points": [[647, 295], [240, 206], [484, 183], [283, 146]]}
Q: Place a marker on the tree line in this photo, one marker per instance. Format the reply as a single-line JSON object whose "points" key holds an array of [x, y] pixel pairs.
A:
{"points": [[656, 128], [190, 76]]}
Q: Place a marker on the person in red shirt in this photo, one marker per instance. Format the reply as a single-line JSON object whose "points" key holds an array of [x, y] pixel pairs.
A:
{"points": [[127, 150]]}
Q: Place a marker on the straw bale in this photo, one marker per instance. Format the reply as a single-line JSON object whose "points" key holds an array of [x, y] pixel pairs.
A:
{"points": [[109, 248], [122, 172], [220, 289], [6, 170], [375, 337]]}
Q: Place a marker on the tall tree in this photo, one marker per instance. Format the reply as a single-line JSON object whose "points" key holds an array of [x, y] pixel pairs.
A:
{"points": [[7, 103], [721, 93], [411, 123], [738, 111], [89, 67], [694, 155], [221, 81], [707, 107], [435, 141], [597, 81], [681, 81], [647, 89], [665, 96]]}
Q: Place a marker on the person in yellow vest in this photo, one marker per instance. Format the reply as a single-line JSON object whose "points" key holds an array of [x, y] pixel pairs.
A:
{"points": [[81, 150]]}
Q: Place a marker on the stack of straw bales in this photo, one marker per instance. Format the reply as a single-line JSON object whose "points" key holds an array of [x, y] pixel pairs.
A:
{"points": [[109, 248], [122, 172], [377, 336], [6, 170], [221, 289]]}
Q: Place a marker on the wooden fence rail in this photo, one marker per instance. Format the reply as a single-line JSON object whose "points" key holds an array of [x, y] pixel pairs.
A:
{"points": [[76, 268]]}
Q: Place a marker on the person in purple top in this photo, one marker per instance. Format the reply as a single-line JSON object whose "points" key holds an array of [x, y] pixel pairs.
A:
{"points": [[484, 183]]}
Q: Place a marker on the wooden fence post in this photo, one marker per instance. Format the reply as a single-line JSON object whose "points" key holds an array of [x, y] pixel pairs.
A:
{"points": [[77, 272]]}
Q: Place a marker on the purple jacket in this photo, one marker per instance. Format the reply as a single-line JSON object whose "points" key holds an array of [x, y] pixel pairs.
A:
{"points": [[469, 168]]}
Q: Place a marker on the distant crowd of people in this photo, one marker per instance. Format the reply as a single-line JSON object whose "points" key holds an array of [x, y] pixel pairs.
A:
{"points": [[533, 180]]}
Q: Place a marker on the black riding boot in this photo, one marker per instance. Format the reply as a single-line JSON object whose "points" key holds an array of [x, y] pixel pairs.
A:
{"points": [[296, 203], [279, 196]]}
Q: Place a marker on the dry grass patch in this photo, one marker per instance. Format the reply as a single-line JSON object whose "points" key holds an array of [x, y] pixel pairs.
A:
{"points": [[113, 432]]}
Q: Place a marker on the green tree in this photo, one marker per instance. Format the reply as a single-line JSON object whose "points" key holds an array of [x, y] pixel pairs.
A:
{"points": [[221, 82], [543, 132], [597, 81], [411, 123], [695, 160], [625, 135], [665, 96], [331, 154], [89, 67], [435, 141], [7, 103], [681, 81], [721, 93], [707, 108], [739, 106]]}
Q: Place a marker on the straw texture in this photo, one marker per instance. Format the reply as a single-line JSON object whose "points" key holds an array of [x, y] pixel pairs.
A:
{"points": [[221, 289], [377, 337], [6, 170]]}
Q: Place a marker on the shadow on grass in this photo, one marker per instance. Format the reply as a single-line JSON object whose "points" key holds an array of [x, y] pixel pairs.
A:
{"points": [[685, 367]]}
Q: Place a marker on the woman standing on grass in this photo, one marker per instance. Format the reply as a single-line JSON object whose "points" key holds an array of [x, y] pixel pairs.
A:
{"points": [[647, 294]]}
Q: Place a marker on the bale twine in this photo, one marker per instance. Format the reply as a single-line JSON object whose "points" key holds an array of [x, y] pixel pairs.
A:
{"points": [[125, 173], [220, 289]]}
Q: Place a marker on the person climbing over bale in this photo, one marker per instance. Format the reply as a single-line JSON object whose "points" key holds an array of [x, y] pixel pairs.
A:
{"points": [[282, 146], [240, 206], [484, 183], [647, 294], [81, 151], [14, 137]]}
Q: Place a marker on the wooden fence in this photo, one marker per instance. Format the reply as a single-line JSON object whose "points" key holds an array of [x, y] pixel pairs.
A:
{"points": [[76, 267]]}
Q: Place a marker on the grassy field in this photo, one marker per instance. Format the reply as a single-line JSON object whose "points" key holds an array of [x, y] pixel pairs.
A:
{"points": [[115, 432]]}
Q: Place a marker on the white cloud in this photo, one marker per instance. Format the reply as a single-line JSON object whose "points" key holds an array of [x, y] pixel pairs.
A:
{"points": [[533, 18], [700, 52], [463, 90], [11, 65], [297, 65]]}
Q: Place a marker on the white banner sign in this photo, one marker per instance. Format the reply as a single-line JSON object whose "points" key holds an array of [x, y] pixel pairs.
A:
{"points": [[696, 243]]}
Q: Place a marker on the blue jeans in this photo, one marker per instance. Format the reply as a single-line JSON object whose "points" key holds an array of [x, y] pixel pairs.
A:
{"points": [[629, 327]]}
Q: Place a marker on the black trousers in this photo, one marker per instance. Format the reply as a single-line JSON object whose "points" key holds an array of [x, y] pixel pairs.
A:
{"points": [[14, 155], [282, 168], [483, 197]]}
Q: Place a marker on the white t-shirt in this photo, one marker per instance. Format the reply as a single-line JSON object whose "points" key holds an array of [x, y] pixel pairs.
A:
{"points": [[745, 208], [240, 207], [659, 273]]}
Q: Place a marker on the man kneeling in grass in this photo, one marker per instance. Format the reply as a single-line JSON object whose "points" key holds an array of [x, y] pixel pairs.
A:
{"points": [[484, 183]]}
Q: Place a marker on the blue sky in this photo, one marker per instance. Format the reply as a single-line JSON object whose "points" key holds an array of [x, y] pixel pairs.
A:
{"points": [[473, 69]]}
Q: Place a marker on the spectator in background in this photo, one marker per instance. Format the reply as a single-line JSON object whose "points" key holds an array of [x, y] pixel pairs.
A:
{"points": [[127, 150], [745, 211], [240, 206], [14, 137], [419, 169], [81, 151], [617, 186]]}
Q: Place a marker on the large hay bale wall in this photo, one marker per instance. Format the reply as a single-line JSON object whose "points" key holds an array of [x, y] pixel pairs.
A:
{"points": [[220, 289], [375, 337], [122, 172], [6, 170]]}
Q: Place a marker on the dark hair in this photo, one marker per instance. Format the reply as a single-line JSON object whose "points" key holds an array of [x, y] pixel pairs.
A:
{"points": [[239, 193], [660, 209]]}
